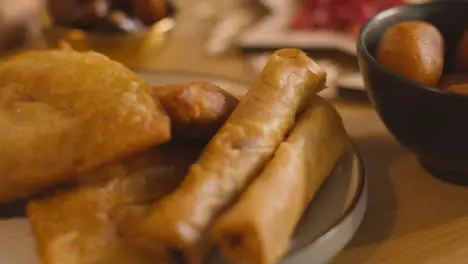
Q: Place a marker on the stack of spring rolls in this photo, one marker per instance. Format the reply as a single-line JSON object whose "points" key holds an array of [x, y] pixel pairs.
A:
{"points": [[245, 193], [250, 186]]}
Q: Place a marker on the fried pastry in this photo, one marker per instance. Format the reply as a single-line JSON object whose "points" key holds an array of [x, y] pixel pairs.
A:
{"points": [[179, 224], [259, 227], [196, 109], [64, 113], [83, 225]]}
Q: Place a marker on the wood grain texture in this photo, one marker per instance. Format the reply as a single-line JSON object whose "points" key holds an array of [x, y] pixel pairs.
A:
{"points": [[412, 217]]}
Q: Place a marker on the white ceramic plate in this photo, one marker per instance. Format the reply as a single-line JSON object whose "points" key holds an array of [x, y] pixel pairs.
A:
{"points": [[327, 226]]}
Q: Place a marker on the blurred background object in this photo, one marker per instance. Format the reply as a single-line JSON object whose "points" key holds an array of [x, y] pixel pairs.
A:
{"points": [[327, 28], [109, 16], [129, 31], [18, 23], [341, 15], [239, 16], [141, 33]]}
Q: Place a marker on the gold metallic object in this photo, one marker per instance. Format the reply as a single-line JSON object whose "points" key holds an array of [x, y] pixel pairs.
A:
{"points": [[131, 49]]}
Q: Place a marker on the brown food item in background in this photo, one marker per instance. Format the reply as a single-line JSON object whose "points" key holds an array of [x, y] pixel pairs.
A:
{"points": [[454, 82], [18, 24], [460, 88], [150, 11], [14, 37], [64, 45], [461, 54], [448, 80], [77, 13], [414, 49], [116, 16], [122, 5], [196, 109]]}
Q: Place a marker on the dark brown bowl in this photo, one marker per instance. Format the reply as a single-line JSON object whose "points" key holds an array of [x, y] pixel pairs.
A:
{"points": [[432, 124]]}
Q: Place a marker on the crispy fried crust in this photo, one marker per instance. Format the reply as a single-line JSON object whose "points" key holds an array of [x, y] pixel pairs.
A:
{"points": [[196, 109], [259, 228], [64, 113], [91, 223], [180, 222]]}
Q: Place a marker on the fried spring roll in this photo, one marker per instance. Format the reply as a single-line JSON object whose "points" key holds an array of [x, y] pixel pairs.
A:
{"points": [[81, 225], [259, 227], [179, 224], [196, 109]]}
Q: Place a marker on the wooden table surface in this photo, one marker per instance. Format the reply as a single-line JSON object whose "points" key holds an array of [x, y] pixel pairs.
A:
{"points": [[412, 217]]}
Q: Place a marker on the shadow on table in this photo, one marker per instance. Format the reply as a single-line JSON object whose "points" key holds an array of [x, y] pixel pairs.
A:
{"points": [[379, 154], [13, 210], [424, 202]]}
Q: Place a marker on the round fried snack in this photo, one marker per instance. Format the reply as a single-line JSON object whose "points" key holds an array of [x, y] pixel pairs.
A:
{"points": [[196, 109], [64, 113], [413, 49]]}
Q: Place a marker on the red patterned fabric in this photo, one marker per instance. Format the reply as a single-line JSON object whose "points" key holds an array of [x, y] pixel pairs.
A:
{"points": [[343, 15]]}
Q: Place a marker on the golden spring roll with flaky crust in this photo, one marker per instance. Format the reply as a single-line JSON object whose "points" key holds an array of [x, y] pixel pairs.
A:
{"points": [[258, 229], [179, 223]]}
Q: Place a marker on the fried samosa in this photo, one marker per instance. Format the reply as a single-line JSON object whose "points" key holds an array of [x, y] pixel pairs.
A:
{"points": [[83, 225], [179, 224], [64, 113], [259, 228], [196, 109]]}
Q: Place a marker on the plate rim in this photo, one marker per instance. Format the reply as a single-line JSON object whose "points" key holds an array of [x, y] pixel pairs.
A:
{"points": [[349, 211]]}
